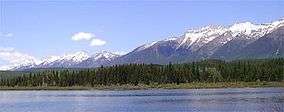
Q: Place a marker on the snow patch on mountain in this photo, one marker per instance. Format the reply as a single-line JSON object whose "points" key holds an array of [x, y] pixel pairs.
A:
{"points": [[208, 33], [255, 30], [76, 57], [171, 39], [246, 28], [50, 59], [73, 57], [105, 55]]}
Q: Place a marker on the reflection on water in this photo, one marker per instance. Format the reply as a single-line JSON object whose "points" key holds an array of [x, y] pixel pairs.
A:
{"points": [[192, 100]]}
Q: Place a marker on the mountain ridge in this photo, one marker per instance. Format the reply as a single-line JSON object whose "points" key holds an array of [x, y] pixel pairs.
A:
{"points": [[240, 40]]}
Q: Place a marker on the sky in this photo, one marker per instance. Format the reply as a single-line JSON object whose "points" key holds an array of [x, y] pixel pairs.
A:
{"points": [[32, 30]]}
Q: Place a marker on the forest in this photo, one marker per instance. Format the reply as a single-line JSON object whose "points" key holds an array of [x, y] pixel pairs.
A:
{"points": [[134, 74]]}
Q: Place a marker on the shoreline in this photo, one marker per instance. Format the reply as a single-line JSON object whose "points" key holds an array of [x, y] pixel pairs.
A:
{"points": [[194, 85]]}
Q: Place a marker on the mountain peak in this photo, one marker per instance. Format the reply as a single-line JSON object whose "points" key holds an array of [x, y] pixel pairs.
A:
{"points": [[148, 45], [77, 56], [145, 46], [171, 39], [255, 30], [205, 29], [105, 54], [74, 57], [246, 28], [208, 32]]}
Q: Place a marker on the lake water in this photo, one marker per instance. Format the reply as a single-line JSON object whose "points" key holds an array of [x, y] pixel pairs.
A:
{"points": [[179, 100]]}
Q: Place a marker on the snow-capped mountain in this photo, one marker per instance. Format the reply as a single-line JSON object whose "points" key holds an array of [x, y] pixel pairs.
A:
{"points": [[105, 55], [197, 38], [67, 60], [79, 59], [102, 58], [221, 42], [237, 41], [206, 34]]}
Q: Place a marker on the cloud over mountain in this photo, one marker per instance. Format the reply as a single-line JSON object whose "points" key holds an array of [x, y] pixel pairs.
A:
{"points": [[82, 36], [94, 41], [97, 42], [15, 58]]}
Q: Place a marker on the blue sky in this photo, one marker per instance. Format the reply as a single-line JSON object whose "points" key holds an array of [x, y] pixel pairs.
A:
{"points": [[44, 28]]}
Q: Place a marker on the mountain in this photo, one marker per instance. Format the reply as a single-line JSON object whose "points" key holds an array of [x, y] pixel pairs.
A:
{"points": [[241, 40], [65, 61], [102, 58], [79, 59], [237, 41], [270, 45]]}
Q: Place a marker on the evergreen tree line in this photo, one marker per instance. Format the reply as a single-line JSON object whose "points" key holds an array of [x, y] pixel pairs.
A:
{"points": [[134, 74]]}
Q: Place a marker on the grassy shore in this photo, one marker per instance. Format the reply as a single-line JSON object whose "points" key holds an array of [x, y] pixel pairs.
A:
{"points": [[158, 86]]}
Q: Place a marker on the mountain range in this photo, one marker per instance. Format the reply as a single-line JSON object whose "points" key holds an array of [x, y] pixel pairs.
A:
{"points": [[238, 41]]}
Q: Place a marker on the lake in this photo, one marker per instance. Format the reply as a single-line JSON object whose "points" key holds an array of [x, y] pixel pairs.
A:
{"points": [[158, 100]]}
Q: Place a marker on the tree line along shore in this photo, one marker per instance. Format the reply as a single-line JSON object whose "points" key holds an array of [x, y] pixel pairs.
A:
{"points": [[193, 85], [202, 74]]}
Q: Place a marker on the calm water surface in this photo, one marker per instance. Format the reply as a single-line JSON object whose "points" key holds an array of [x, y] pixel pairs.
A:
{"points": [[189, 100]]}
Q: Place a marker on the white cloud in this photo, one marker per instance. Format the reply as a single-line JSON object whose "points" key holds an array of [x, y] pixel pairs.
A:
{"points": [[15, 58], [89, 37], [82, 36], [6, 34], [97, 42]]}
